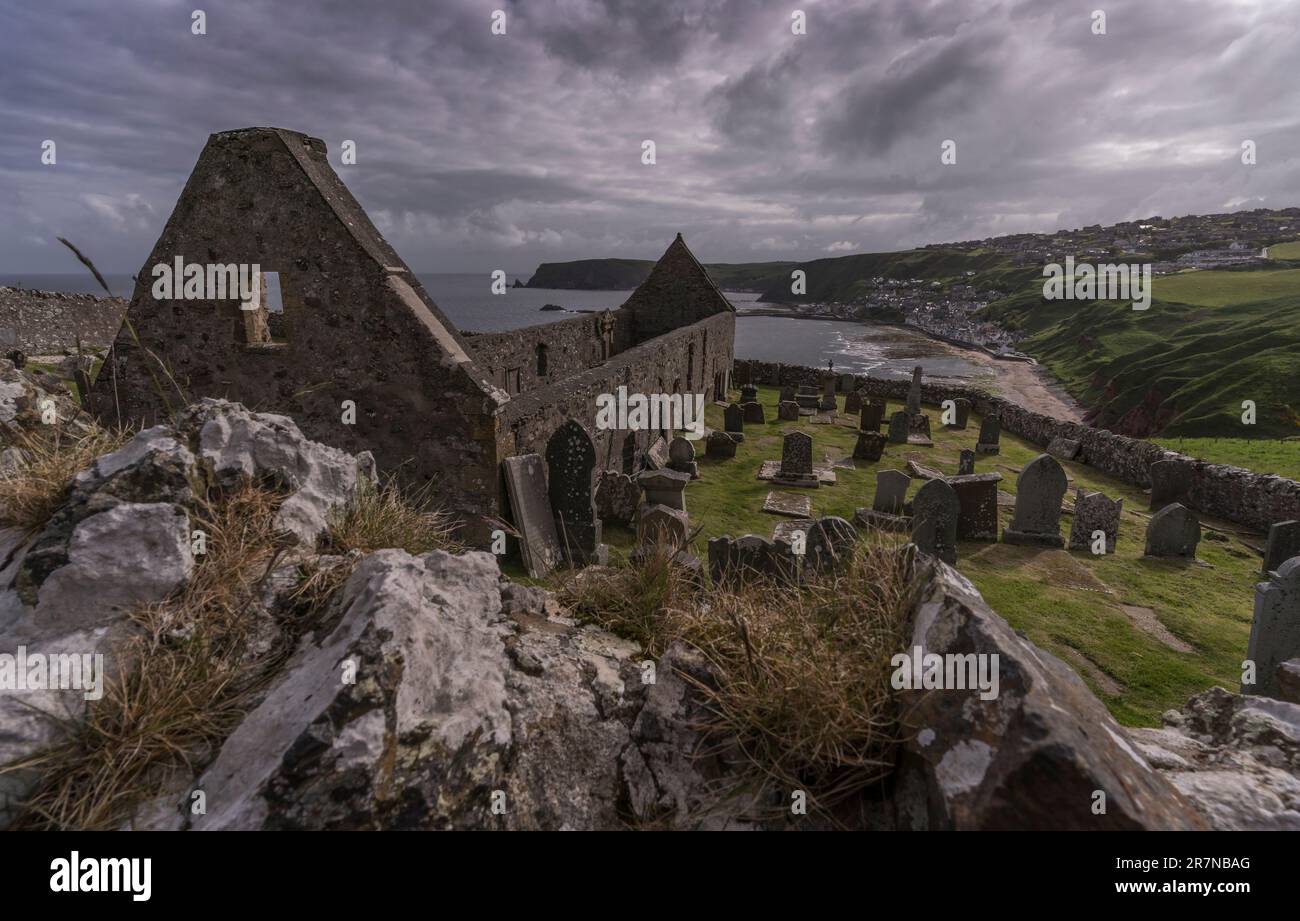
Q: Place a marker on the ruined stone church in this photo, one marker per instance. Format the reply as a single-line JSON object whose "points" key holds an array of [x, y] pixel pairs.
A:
{"points": [[433, 404]]}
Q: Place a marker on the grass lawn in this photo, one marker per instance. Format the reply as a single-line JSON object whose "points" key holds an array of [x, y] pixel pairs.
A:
{"points": [[1186, 626], [1285, 250], [1218, 289], [1262, 455]]}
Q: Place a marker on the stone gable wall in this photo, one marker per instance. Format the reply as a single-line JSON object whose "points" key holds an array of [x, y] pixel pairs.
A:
{"points": [[50, 322], [1232, 493]]}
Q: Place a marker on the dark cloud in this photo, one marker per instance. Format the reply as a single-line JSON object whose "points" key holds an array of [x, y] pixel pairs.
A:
{"points": [[477, 151]]}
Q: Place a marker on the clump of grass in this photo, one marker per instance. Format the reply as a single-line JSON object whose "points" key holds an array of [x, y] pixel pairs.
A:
{"points": [[382, 516], [33, 489], [800, 692], [180, 685]]}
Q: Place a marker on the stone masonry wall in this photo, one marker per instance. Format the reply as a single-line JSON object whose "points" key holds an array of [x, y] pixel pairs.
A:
{"points": [[50, 322], [1231, 493], [572, 345]]}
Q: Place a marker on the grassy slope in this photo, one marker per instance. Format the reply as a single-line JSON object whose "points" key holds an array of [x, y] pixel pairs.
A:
{"points": [[1285, 250], [842, 278], [1067, 602], [1262, 456]]}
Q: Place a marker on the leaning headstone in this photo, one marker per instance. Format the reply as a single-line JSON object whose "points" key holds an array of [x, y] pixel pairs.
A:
{"points": [[681, 457], [886, 512], [796, 461], [870, 446], [1275, 629], [570, 464], [1094, 512], [961, 414], [977, 500], [898, 428], [656, 457], [852, 403], [966, 462], [1283, 543], [753, 413], [914, 392], [829, 544], [617, 497], [935, 510], [788, 411], [661, 525], [1064, 448], [539, 547], [1171, 481], [733, 421], [719, 446], [748, 394], [664, 487], [1039, 490], [1174, 531], [990, 434], [873, 414]]}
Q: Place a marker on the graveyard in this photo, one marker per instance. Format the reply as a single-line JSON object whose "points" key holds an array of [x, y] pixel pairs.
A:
{"points": [[1144, 633]]}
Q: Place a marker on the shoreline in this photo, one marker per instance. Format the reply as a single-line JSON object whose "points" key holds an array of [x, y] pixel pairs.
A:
{"points": [[1021, 381]]}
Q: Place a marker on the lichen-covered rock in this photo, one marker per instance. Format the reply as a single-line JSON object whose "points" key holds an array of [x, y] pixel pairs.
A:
{"points": [[1038, 752], [1235, 757]]}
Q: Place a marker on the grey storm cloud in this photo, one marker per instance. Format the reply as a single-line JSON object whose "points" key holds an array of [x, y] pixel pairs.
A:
{"points": [[478, 151]]}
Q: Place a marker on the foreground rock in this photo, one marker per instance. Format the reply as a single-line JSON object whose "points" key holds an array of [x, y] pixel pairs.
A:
{"points": [[1235, 757]]}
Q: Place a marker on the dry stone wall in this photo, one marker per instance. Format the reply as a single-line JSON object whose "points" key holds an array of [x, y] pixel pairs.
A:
{"points": [[1231, 493], [51, 322]]}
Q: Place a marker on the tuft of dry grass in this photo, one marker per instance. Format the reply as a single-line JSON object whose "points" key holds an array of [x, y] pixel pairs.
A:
{"points": [[801, 692], [383, 516], [179, 685], [32, 491]]}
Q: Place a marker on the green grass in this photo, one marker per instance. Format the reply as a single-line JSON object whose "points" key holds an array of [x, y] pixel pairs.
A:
{"points": [[1220, 289], [1285, 250], [1069, 603], [1262, 455]]}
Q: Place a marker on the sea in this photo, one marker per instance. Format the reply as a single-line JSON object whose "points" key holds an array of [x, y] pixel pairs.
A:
{"points": [[467, 300]]}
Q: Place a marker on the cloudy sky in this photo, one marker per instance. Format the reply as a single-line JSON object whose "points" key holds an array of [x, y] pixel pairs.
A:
{"points": [[477, 151]]}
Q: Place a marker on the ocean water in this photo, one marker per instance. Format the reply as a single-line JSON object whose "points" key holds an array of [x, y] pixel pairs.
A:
{"points": [[468, 301]]}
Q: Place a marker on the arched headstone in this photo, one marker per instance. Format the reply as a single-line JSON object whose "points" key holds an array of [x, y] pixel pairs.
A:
{"points": [[570, 462]]}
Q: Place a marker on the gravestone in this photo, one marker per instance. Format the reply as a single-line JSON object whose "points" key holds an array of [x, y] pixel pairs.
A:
{"points": [[1173, 531], [977, 500], [662, 525], [1039, 490], [1064, 448], [891, 491], [898, 428], [829, 544], [990, 434], [1170, 482], [1283, 543], [530, 507], [847, 385], [681, 457], [787, 503], [870, 446], [719, 446], [852, 403], [735, 562], [570, 462], [935, 510], [748, 394], [753, 413], [914, 392], [617, 497], [808, 402], [966, 462], [742, 373], [1275, 628], [796, 461], [918, 430], [788, 411], [787, 394], [664, 487], [827, 401], [733, 421], [873, 414], [961, 415], [657, 456], [1094, 512]]}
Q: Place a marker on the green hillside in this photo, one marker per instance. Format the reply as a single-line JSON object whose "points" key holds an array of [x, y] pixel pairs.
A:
{"points": [[843, 278]]}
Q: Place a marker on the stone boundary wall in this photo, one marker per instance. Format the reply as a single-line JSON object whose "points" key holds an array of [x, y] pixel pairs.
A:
{"points": [[1230, 493], [49, 322], [573, 345]]}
